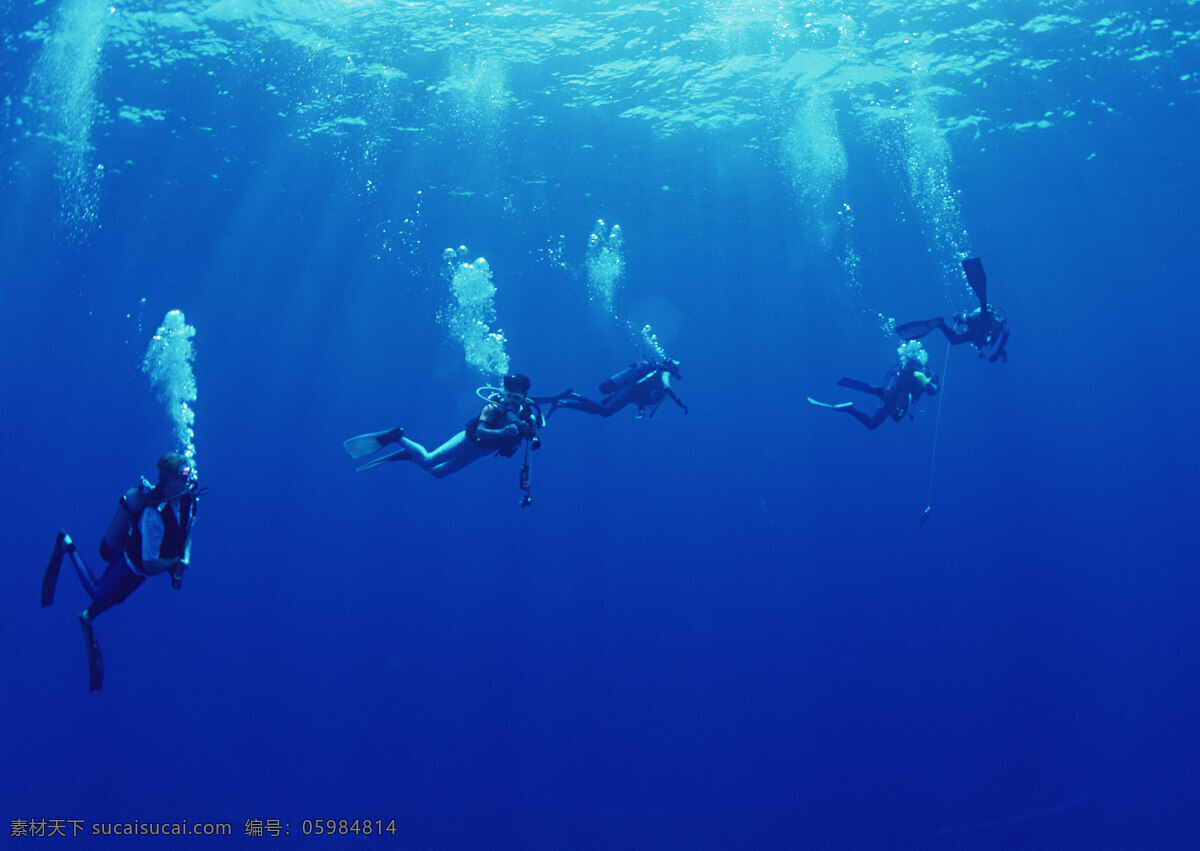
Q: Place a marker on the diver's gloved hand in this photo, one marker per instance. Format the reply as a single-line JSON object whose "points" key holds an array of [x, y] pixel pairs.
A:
{"points": [[528, 432]]}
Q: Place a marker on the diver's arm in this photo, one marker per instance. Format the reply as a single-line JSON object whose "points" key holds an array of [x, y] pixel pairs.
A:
{"points": [[510, 430], [1000, 350], [666, 386], [955, 337], [494, 415], [657, 395], [676, 399], [572, 400], [159, 565]]}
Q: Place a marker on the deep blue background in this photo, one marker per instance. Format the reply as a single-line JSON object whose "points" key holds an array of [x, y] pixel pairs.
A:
{"points": [[725, 629]]}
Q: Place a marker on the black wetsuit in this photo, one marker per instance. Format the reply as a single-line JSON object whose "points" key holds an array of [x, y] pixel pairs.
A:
{"points": [[649, 387], [125, 574], [903, 386]]}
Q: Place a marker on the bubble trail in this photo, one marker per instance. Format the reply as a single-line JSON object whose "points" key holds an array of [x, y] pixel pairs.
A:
{"points": [[471, 316], [62, 86], [605, 261], [168, 363], [927, 160]]}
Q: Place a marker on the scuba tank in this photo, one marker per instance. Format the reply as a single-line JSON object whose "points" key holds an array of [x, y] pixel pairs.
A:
{"points": [[633, 372], [112, 545]]}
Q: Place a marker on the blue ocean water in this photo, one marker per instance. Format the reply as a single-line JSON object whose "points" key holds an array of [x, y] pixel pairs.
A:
{"points": [[724, 629]]}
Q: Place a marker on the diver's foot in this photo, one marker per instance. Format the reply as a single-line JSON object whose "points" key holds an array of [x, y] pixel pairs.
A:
{"points": [[392, 436], [561, 399]]}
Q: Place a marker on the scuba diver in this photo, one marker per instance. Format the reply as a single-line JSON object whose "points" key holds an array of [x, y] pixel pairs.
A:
{"points": [[150, 533], [646, 384], [508, 418], [905, 383], [983, 327]]}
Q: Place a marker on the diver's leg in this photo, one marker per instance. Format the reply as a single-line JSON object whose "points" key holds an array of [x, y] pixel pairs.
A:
{"points": [[578, 403], [861, 386], [416, 453], [919, 328], [872, 422], [955, 337], [86, 578], [117, 583], [566, 399], [453, 455], [617, 401]]}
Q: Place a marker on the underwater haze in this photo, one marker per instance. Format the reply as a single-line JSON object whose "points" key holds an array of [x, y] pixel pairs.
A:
{"points": [[728, 628]]}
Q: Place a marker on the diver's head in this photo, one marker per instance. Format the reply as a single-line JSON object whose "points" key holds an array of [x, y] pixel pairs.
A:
{"points": [[671, 366], [517, 383], [176, 474]]}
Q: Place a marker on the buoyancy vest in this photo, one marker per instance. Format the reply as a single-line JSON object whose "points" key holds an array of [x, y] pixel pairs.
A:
{"points": [[505, 446], [175, 529]]}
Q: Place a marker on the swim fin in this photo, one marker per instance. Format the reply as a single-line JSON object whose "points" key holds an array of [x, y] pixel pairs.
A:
{"points": [[855, 384], [919, 328], [50, 577], [95, 662], [365, 444], [840, 406], [973, 266], [393, 453]]}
